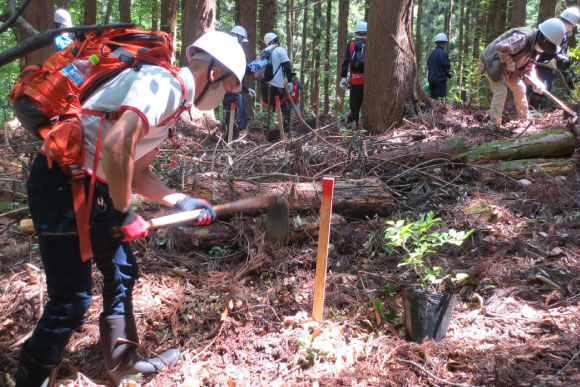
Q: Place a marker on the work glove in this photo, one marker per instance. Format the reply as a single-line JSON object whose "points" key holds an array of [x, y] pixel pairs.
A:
{"points": [[131, 225], [206, 215], [538, 86], [252, 93], [510, 67], [343, 83]]}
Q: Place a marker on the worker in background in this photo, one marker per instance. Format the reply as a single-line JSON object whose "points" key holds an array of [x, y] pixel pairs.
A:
{"points": [[241, 120], [62, 19], [354, 59], [560, 60], [510, 56], [439, 68], [296, 87]]}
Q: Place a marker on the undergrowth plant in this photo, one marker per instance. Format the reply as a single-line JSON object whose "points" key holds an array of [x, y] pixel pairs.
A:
{"points": [[416, 241]]}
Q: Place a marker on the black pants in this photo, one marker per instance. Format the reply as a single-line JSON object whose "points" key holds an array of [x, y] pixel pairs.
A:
{"points": [[438, 90], [285, 107], [355, 100]]}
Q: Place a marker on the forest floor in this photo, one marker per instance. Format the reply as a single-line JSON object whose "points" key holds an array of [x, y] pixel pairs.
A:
{"points": [[240, 311]]}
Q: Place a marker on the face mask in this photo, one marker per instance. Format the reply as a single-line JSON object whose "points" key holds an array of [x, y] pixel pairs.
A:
{"points": [[212, 98]]}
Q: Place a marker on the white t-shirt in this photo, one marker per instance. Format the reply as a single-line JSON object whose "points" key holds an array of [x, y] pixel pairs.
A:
{"points": [[278, 56], [153, 92]]}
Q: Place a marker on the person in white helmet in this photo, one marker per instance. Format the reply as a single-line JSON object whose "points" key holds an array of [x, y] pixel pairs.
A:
{"points": [[147, 102], [439, 68], [62, 19], [512, 54], [561, 60], [354, 58], [280, 85], [241, 119]]}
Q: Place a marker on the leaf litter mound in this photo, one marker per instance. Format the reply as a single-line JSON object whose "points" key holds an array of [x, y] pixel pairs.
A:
{"points": [[239, 310]]}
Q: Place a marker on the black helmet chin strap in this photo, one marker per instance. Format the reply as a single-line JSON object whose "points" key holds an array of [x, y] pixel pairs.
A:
{"points": [[209, 83]]}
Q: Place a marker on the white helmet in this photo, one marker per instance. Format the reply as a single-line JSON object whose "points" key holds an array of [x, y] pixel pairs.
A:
{"points": [[223, 47], [63, 17], [240, 33], [554, 30], [441, 37], [269, 37], [571, 15], [361, 26]]}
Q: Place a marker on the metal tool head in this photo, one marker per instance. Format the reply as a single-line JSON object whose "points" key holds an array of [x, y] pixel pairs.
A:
{"points": [[277, 223]]}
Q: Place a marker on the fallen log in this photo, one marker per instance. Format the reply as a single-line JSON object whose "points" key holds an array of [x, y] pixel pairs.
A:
{"points": [[353, 198], [448, 148], [520, 169], [554, 143], [221, 234]]}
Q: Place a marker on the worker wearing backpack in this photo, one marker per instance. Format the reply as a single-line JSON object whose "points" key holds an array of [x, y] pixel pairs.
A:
{"points": [[439, 68], [62, 19], [272, 83], [354, 59], [143, 100]]}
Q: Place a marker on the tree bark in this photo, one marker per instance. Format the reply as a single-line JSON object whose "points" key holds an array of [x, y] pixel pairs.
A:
{"points": [[316, 47], [108, 11], [546, 9], [267, 18], [327, 59], [461, 40], [518, 13], [340, 48], [418, 48], [199, 18], [528, 168], [448, 18], [169, 17], [305, 23], [155, 16], [35, 14], [355, 198], [90, 13], [290, 30], [125, 11], [547, 144], [449, 148], [390, 63], [248, 20]]}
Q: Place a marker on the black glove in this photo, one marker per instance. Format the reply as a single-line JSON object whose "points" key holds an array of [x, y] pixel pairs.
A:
{"points": [[206, 215], [448, 75]]}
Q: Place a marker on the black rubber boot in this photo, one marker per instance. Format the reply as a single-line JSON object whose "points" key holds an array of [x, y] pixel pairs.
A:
{"points": [[121, 359], [31, 373]]}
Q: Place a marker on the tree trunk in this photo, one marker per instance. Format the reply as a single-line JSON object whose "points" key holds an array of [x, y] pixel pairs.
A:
{"points": [[108, 11], [418, 50], [248, 15], [340, 48], [547, 144], [518, 13], [305, 21], [267, 18], [291, 30], [525, 169], [125, 11], [465, 59], [546, 9], [459, 70], [327, 59], [35, 14], [155, 15], [390, 63], [355, 198], [169, 17], [448, 18], [90, 13], [316, 47], [449, 148], [199, 18]]}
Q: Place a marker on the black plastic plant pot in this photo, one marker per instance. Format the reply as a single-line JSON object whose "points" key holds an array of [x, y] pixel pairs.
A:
{"points": [[427, 314]]}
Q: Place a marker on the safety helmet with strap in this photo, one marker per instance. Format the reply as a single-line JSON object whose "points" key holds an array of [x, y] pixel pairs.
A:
{"points": [[269, 37], [571, 15], [554, 31], [240, 33], [62, 16]]}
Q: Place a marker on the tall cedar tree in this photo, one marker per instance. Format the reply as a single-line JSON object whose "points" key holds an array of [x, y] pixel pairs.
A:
{"points": [[391, 82], [327, 58], [248, 13], [35, 13], [198, 18], [418, 43], [125, 11], [304, 50], [267, 19], [518, 14], [316, 39], [546, 9], [169, 10], [90, 13], [340, 48]]}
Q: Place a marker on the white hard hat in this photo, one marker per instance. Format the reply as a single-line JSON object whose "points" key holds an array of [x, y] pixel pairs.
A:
{"points": [[63, 17], [441, 37], [361, 26], [269, 37], [553, 30], [571, 15], [240, 33], [223, 47]]}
